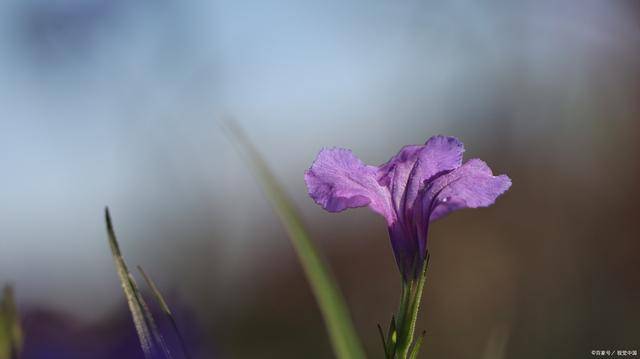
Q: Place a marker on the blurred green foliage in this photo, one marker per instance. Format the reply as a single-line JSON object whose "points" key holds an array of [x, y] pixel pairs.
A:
{"points": [[11, 336], [337, 318]]}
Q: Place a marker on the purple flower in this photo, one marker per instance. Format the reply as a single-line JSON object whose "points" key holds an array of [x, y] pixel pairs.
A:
{"points": [[418, 185]]}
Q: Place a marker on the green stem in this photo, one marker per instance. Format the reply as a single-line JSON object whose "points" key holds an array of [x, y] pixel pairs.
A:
{"points": [[396, 334], [408, 312]]}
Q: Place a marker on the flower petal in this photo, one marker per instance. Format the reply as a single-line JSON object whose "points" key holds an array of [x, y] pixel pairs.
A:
{"points": [[338, 180], [406, 172], [470, 186]]}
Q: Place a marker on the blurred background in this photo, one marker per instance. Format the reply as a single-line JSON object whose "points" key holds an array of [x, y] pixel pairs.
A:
{"points": [[113, 102]]}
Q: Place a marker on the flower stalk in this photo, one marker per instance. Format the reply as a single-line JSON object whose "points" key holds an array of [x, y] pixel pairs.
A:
{"points": [[400, 340]]}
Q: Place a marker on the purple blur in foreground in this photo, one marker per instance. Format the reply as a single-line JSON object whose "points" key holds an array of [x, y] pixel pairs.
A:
{"points": [[418, 185]]}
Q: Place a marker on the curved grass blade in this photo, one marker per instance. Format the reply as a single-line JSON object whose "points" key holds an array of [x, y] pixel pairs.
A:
{"points": [[151, 340], [342, 334], [149, 320], [165, 309], [130, 291], [384, 343]]}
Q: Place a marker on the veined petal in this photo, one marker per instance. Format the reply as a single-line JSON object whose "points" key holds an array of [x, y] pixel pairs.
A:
{"points": [[406, 172], [405, 250], [470, 186], [338, 180]]}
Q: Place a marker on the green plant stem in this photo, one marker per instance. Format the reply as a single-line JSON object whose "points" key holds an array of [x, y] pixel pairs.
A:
{"points": [[410, 299]]}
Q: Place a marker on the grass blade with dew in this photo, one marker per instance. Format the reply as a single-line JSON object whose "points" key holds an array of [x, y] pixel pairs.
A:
{"points": [[342, 334], [151, 323], [11, 336], [166, 310], [142, 318], [143, 331]]}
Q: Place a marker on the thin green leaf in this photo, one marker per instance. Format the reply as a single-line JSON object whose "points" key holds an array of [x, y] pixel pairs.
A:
{"points": [[416, 347], [342, 334], [144, 334], [384, 344], [165, 308], [392, 338]]}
